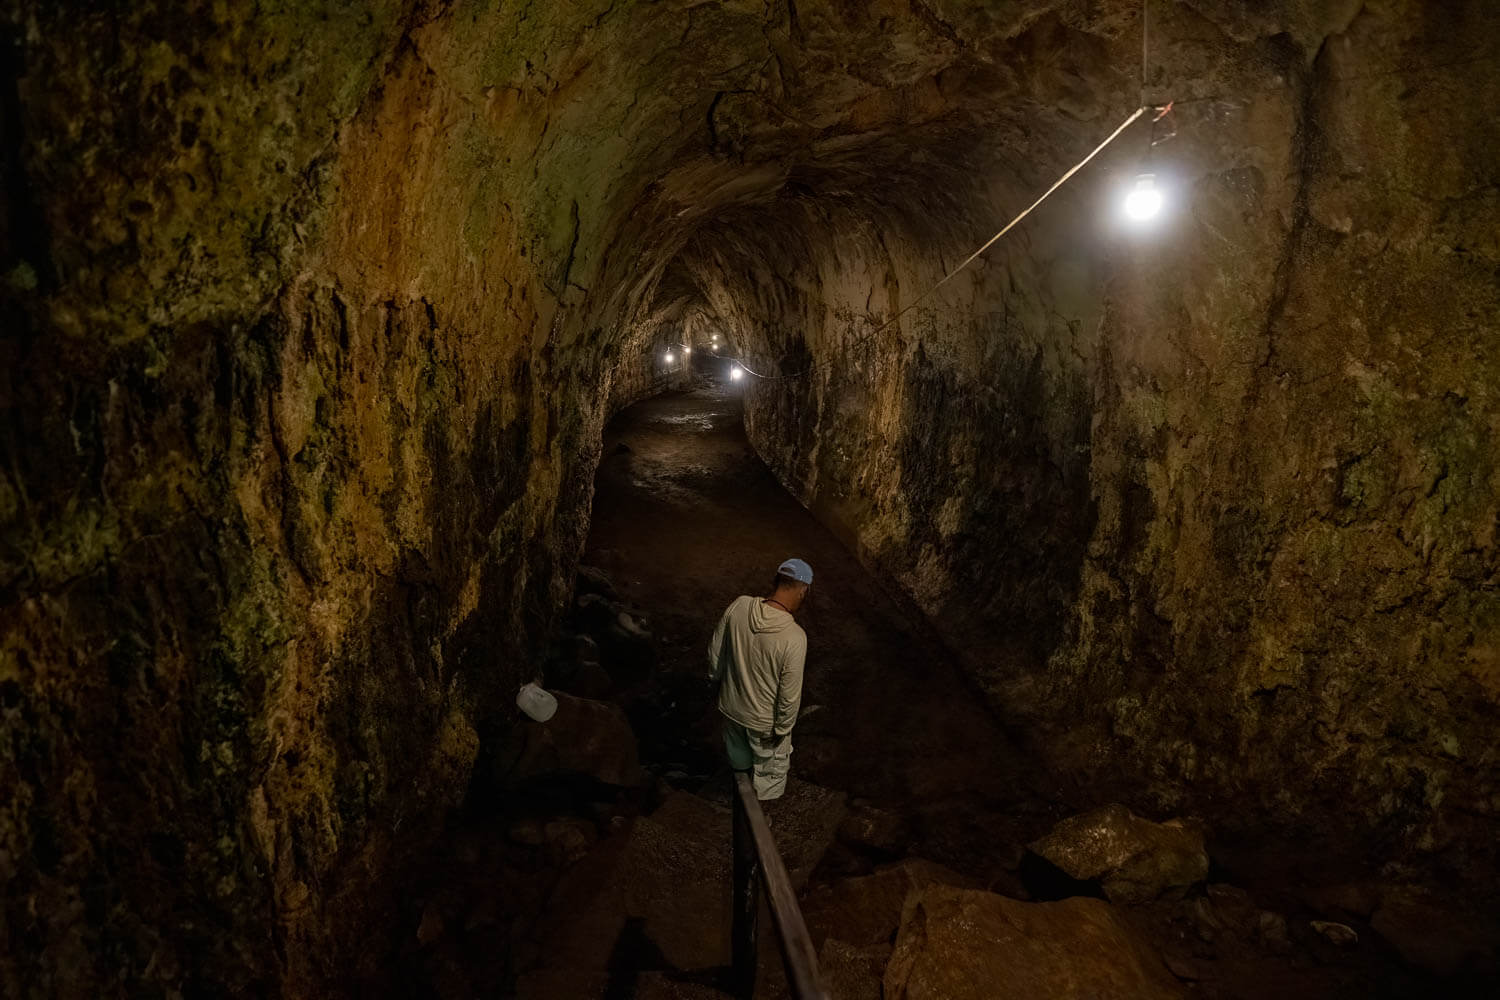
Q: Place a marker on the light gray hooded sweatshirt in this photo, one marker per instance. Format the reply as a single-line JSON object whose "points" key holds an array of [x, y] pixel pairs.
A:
{"points": [[757, 653]]}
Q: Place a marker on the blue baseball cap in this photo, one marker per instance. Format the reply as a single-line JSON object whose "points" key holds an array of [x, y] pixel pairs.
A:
{"points": [[797, 570]]}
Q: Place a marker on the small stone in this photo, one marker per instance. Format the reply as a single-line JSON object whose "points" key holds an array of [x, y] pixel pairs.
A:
{"points": [[1271, 933], [1183, 968], [631, 627], [568, 839], [1340, 934]]}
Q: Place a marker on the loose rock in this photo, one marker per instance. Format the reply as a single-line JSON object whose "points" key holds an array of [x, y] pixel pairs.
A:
{"points": [[568, 839], [960, 944], [1271, 933], [1340, 934], [584, 738], [1135, 859]]}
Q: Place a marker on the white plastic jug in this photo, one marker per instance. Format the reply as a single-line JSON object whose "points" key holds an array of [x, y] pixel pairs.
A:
{"points": [[536, 702]]}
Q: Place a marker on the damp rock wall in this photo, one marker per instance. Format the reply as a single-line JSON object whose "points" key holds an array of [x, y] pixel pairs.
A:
{"points": [[1210, 510], [311, 321]]}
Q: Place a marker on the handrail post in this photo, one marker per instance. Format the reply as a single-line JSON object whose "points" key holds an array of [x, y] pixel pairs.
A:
{"points": [[746, 903]]}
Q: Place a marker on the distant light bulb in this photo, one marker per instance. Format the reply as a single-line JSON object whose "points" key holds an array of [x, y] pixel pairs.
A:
{"points": [[716, 336], [687, 350], [714, 348], [669, 358], [736, 372], [1144, 200]]}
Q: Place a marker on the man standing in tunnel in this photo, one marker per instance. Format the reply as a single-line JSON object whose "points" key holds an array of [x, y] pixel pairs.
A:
{"points": [[756, 658]]}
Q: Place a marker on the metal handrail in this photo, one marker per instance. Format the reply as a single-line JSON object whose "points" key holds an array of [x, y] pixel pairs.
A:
{"points": [[756, 859]]}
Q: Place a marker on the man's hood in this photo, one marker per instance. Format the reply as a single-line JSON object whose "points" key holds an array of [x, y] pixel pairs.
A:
{"points": [[768, 617]]}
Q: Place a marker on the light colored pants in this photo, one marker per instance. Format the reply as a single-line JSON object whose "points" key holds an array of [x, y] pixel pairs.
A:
{"points": [[767, 762]]}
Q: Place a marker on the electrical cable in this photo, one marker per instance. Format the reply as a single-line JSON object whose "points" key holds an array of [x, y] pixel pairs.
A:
{"points": [[961, 267]]}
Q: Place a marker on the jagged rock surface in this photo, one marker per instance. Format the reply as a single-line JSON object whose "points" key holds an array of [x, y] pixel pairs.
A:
{"points": [[967, 945], [1233, 480], [1134, 859]]}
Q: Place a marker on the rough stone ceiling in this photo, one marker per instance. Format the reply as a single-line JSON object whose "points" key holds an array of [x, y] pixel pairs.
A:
{"points": [[951, 120]]}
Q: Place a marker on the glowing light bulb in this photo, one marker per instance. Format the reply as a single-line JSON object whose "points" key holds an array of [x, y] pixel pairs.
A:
{"points": [[687, 350], [714, 348], [716, 336], [736, 372], [1144, 200], [669, 358]]}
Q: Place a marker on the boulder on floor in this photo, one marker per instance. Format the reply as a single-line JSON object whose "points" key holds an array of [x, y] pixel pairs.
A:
{"points": [[584, 737], [803, 823], [626, 647], [1134, 859], [961, 944], [867, 910]]}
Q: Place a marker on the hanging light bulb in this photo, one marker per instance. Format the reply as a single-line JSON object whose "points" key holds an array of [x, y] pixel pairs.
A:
{"points": [[716, 336], [686, 351], [669, 358], [736, 372], [1144, 200]]}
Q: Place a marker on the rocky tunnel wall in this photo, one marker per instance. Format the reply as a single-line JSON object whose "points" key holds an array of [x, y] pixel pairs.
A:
{"points": [[1235, 478], [312, 317]]}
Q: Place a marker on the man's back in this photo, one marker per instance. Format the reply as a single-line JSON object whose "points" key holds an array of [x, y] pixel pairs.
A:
{"points": [[758, 651]]}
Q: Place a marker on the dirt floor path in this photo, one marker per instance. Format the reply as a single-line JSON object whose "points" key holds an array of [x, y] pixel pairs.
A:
{"points": [[686, 518]]}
